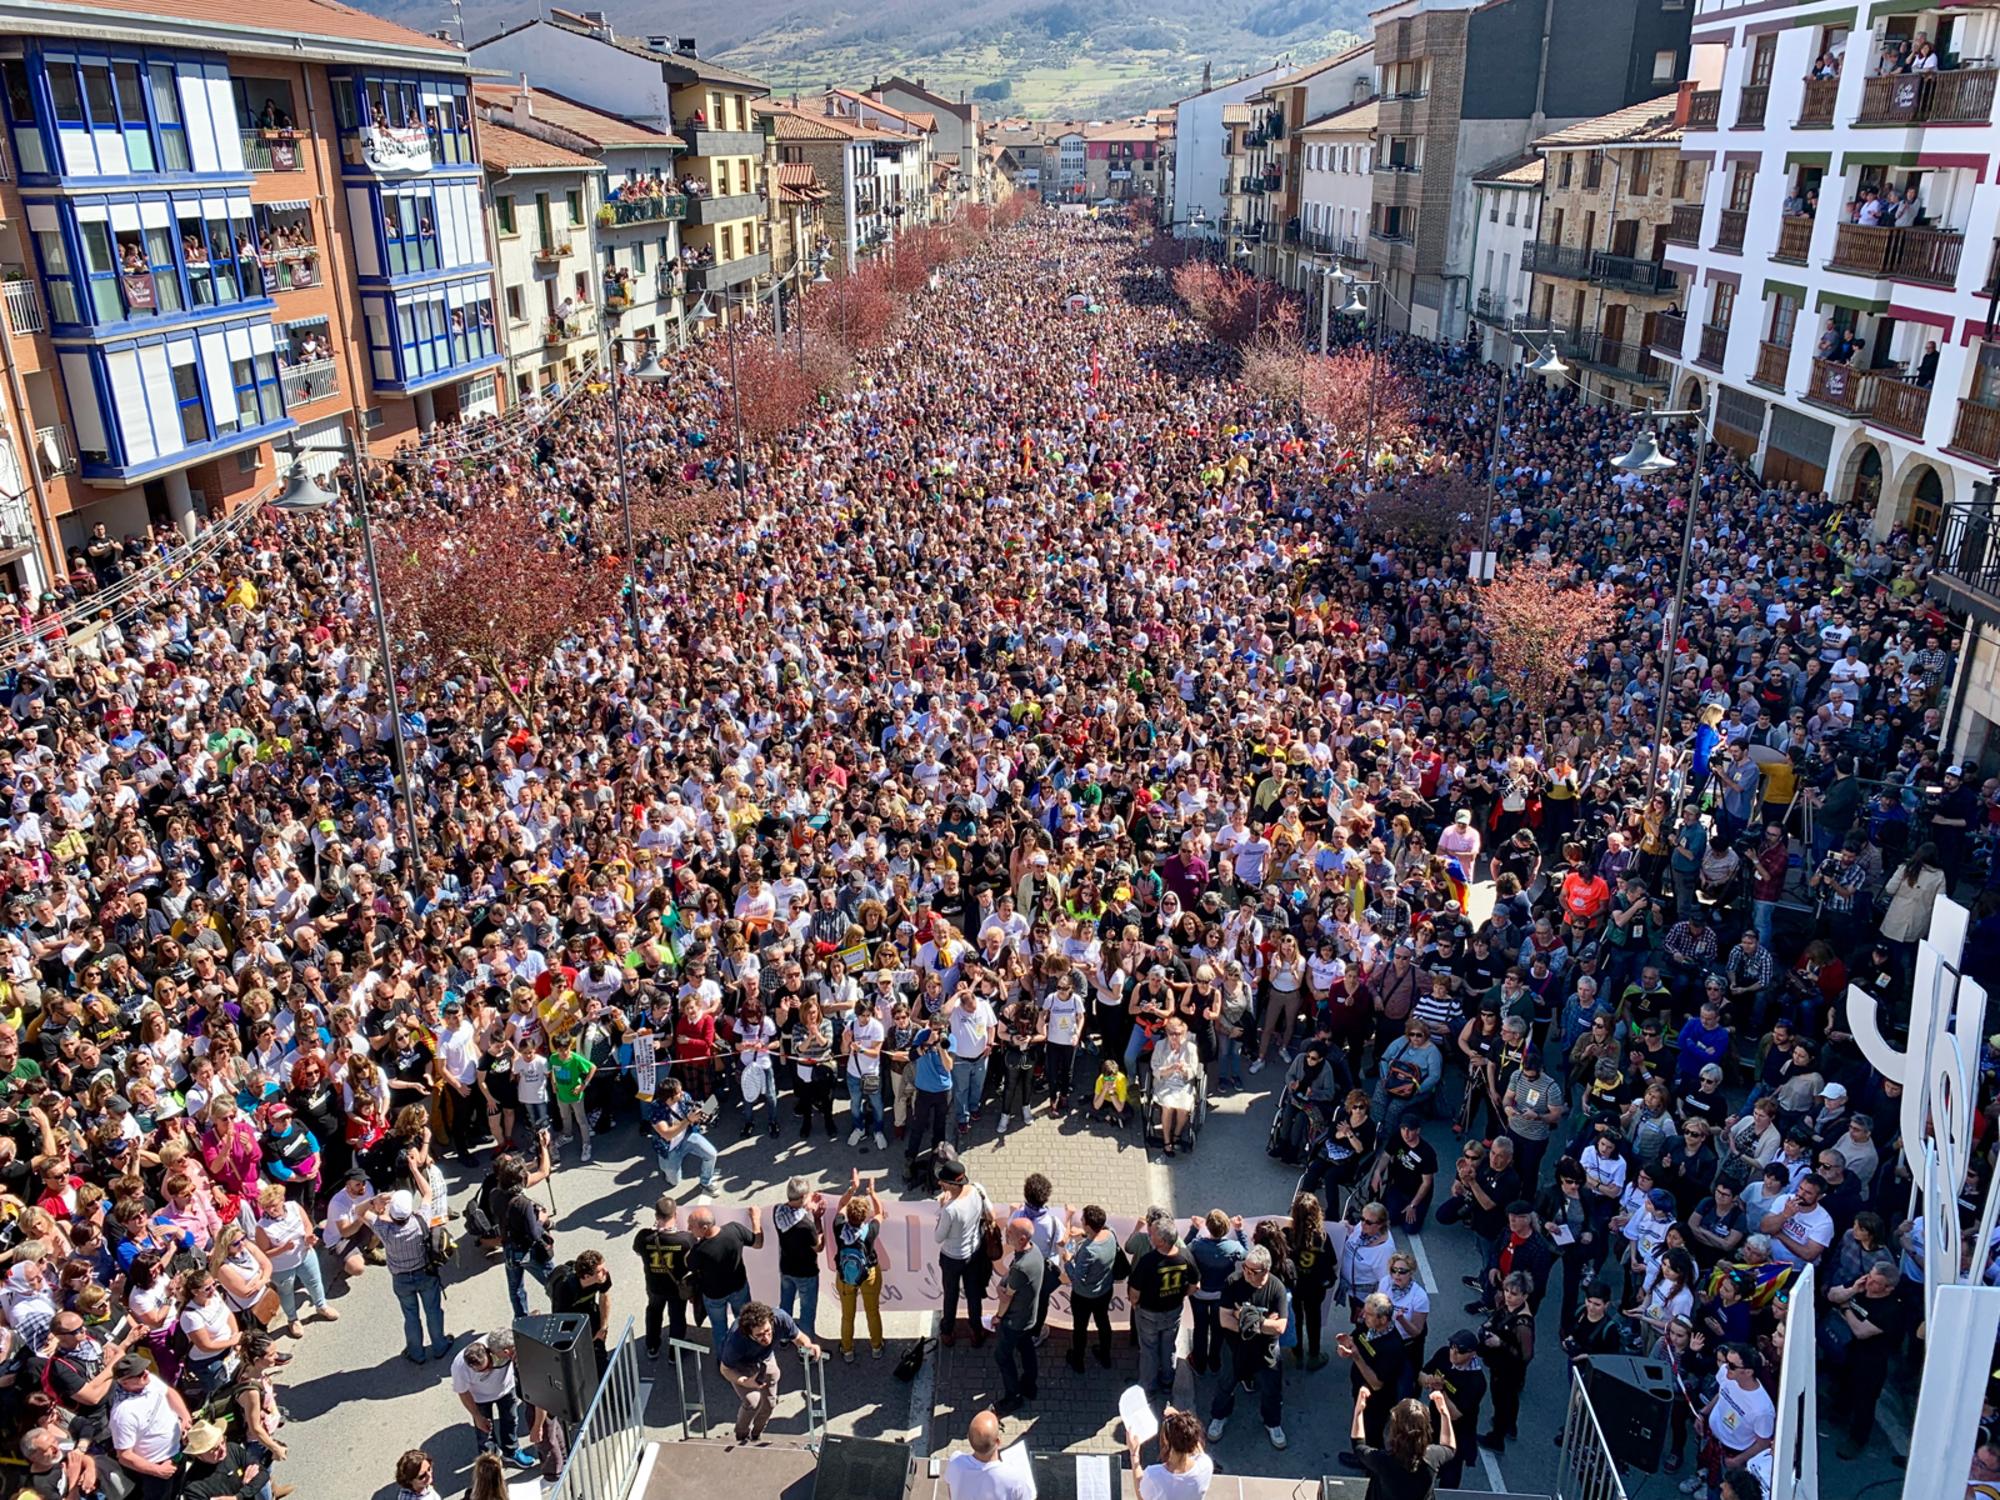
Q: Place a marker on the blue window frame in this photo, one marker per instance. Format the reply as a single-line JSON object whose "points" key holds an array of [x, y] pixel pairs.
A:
{"points": [[167, 110], [438, 106], [123, 259]]}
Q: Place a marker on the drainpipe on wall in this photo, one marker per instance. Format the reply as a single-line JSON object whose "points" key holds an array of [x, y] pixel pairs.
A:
{"points": [[50, 547]]}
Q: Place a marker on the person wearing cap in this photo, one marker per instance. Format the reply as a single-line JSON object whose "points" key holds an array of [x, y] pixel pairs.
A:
{"points": [[402, 1221], [1828, 1123], [148, 1418], [484, 1380], [214, 1468], [1456, 1373]]}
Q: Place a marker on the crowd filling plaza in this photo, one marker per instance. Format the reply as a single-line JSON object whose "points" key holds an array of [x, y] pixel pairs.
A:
{"points": [[1047, 725]]}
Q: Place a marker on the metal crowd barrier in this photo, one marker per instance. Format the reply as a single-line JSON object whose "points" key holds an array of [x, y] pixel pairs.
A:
{"points": [[1586, 1471], [604, 1453]]}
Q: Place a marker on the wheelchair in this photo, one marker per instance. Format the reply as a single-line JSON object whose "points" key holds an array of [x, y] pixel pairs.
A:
{"points": [[1151, 1115]]}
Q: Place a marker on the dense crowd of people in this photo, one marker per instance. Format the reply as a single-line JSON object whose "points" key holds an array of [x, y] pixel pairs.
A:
{"points": [[1047, 727]]}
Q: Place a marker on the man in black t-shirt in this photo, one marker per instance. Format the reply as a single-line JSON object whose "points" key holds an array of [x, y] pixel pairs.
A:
{"points": [[1864, 1321], [1255, 1310], [1162, 1276], [1376, 1353], [584, 1286], [1456, 1373], [715, 1272], [1407, 1174], [663, 1256]]}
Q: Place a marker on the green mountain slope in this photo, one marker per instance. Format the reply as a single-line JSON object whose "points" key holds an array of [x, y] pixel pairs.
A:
{"points": [[1039, 57]]}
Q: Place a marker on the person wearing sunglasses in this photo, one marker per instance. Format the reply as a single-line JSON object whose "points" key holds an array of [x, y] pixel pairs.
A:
{"points": [[414, 1476]]}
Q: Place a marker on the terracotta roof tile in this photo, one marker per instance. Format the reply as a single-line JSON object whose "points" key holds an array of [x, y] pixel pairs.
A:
{"points": [[502, 149], [1515, 171], [578, 119], [1648, 124], [300, 18], [1354, 117]]}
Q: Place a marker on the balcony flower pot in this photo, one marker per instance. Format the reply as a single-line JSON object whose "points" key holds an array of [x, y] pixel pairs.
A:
{"points": [[606, 214]]}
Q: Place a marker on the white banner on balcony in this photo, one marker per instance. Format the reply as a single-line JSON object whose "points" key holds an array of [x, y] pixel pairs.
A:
{"points": [[389, 152]]}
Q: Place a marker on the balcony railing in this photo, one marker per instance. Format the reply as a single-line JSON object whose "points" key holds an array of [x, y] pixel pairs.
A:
{"points": [[1963, 96], [1816, 102], [1899, 405], [1632, 273], [1684, 225], [730, 273], [314, 380], [271, 151], [1545, 259], [654, 208], [1929, 256], [25, 314], [1705, 110], [288, 270], [1730, 226], [1968, 551], [54, 451], [1772, 360], [1634, 360], [1670, 331], [725, 208], [1714, 343], [1794, 240], [1977, 431], [1835, 386], [1751, 103]]}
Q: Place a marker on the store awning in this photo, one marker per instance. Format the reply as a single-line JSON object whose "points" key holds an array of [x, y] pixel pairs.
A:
{"points": [[290, 206]]}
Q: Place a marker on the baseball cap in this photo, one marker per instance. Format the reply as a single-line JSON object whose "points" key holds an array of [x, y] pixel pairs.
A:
{"points": [[1464, 1341], [402, 1203], [1834, 1091], [130, 1365]]}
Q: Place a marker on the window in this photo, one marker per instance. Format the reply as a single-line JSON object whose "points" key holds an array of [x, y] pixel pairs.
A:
{"points": [[263, 103], [1493, 211], [574, 198], [1763, 60], [1593, 171], [65, 93], [503, 213], [517, 310], [1666, 63], [1721, 304], [1563, 172], [1513, 201], [1683, 171], [107, 302], [1784, 318], [1642, 173], [167, 114], [187, 395], [55, 272], [1740, 186], [639, 257]]}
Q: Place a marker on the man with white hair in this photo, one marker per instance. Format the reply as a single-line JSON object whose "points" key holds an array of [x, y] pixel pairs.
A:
{"points": [[1255, 1311]]}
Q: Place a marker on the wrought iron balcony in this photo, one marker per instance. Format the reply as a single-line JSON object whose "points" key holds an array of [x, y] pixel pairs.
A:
{"points": [[1751, 103], [1545, 259], [1632, 273], [1714, 344], [1772, 361], [1977, 431], [1794, 240], [1670, 335], [1705, 110], [1730, 227], [1967, 575]]}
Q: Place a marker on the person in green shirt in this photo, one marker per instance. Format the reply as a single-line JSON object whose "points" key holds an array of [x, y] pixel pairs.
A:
{"points": [[569, 1075]]}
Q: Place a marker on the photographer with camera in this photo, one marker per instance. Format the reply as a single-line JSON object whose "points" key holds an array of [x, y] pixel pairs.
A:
{"points": [[678, 1126]]}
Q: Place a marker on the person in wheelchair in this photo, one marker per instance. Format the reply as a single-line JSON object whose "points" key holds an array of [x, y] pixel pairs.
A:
{"points": [[1339, 1147], [1317, 1077], [1176, 1082]]}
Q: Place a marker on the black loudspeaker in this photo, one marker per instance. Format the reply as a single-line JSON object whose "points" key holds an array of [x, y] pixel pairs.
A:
{"points": [[1634, 1401], [852, 1468], [554, 1363]]}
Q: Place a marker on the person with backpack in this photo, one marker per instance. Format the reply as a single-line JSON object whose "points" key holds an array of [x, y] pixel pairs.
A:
{"points": [[525, 1240], [663, 1252], [857, 1261]]}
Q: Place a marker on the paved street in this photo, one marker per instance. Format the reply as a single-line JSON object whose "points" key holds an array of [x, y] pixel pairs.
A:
{"points": [[358, 1404]]}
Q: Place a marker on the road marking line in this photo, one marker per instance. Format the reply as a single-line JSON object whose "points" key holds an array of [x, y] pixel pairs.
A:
{"points": [[1423, 1263], [923, 1393]]}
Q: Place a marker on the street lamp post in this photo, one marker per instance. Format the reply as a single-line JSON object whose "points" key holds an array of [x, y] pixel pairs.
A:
{"points": [[1356, 306], [705, 314], [647, 372], [1548, 362], [1645, 459], [303, 495]]}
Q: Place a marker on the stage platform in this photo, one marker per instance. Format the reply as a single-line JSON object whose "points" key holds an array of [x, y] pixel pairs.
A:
{"points": [[707, 1469]]}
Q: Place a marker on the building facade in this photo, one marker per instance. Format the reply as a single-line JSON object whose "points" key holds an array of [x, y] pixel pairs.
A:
{"points": [[1834, 342], [848, 160], [1506, 205], [959, 139], [904, 162], [543, 199], [661, 82], [637, 209], [1208, 155], [221, 244], [1336, 187], [1464, 85], [1277, 159], [1121, 160], [1610, 189]]}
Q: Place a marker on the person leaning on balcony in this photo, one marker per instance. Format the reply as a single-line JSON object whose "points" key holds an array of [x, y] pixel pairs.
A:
{"points": [[1923, 59], [1908, 211]]}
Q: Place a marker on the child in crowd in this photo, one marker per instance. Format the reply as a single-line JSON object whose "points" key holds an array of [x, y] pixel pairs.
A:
{"points": [[1108, 1098]]}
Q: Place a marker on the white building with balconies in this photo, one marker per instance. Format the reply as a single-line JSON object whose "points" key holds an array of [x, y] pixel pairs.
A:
{"points": [[1839, 273]]}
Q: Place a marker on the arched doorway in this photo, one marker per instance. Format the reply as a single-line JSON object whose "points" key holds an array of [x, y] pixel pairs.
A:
{"points": [[1864, 479], [1690, 394], [1924, 502]]}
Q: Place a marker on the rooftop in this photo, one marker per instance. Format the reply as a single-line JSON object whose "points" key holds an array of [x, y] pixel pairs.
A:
{"points": [[915, 119], [1515, 171], [676, 67], [504, 149], [965, 111], [794, 124], [286, 24], [1649, 124], [1355, 117], [579, 120]]}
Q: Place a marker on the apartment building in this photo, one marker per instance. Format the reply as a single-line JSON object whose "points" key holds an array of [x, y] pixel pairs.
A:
{"points": [[1336, 194], [1506, 204], [661, 82], [1276, 171], [959, 139], [1208, 161], [1020, 150], [1065, 163], [543, 199], [1610, 189], [1463, 85], [904, 163], [1833, 342], [220, 242], [854, 164], [1121, 160], [637, 207]]}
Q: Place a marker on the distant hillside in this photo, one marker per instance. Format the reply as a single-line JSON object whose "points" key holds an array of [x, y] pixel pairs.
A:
{"points": [[1040, 57]]}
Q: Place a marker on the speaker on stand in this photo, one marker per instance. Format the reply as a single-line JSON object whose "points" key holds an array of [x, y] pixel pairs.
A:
{"points": [[1634, 1402], [852, 1468], [555, 1366]]}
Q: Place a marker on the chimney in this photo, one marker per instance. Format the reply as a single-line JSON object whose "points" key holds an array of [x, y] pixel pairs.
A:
{"points": [[659, 44], [600, 25], [524, 104], [1683, 100], [684, 46], [1205, 74]]}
